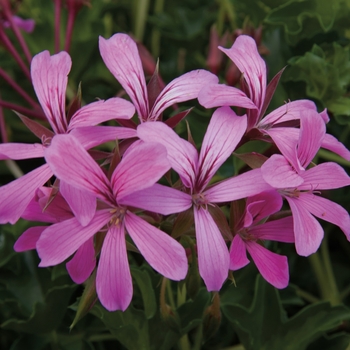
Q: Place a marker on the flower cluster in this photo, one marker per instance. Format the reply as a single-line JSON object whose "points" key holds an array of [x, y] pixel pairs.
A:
{"points": [[98, 198]]}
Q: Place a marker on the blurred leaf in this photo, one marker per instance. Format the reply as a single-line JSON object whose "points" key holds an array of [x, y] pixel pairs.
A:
{"points": [[144, 283], [129, 327], [46, 316], [335, 342], [265, 324]]}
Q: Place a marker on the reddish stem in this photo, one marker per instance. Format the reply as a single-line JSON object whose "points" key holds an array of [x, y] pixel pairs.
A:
{"points": [[57, 25], [26, 111], [17, 88], [12, 50], [18, 35], [4, 137], [69, 30]]}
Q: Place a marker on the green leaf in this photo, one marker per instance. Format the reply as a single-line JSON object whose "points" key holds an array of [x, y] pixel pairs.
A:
{"points": [[265, 324], [295, 13], [144, 283], [129, 327], [46, 316]]}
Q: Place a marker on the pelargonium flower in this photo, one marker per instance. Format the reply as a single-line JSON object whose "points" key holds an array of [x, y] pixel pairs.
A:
{"points": [[122, 58], [49, 206], [223, 134], [252, 230], [298, 184], [257, 96], [49, 76], [141, 166]]}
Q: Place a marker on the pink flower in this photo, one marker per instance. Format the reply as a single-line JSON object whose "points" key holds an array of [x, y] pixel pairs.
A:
{"points": [[49, 206], [49, 76], [298, 185], [122, 58], [257, 96], [25, 24], [223, 134], [251, 231], [140, 168]]}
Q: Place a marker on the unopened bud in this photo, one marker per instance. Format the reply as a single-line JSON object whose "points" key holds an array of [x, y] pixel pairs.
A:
{"points": [[212, 317]]}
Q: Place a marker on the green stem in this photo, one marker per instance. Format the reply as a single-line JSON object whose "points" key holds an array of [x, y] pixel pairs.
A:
{"points": [[307, 296], [333, 292], [327, 155], [318, 269], [170, 295], [181, 299], [155, 38], [198, 338], [141, 12]]}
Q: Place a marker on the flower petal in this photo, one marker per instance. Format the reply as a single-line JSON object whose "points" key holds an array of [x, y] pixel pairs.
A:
{"points": [[49, 76], [184, 88], [16, 195], [71, 163], [326, 210], [280, 230], [141, 167], [324, 176], [238, 254], [308, 232], [98, 112], [61, 240], [121, 56], [332, 144], [182, 156], [92, 136], [161, 251], [273, 267], [82, 203], [213, 255], [18, 151], [312, 131], [83, 262], [237, 187], [245, 55], [224, 132], [113, 279], [27, 240], [217, 95], [159, 199], [278, 172]]}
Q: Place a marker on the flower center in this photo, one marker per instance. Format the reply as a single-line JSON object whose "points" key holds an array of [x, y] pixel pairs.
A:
{"points": [[117, 216], [199, 200]]}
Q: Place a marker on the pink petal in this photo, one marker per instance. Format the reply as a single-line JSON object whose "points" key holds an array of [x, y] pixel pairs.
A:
{"points": [[92, 136], [280, 230], [61, 240], [273, 267], [332, 144], [16, 195], [326, 210], [286, 139], [113, 280], [101, 111], [324, 176], [121, 56], [18, 151], [287, 112], [240, 186], [83, 262], [71, 163], [25, 24], [224, 132], [217, 95], [161, 251], [278, 172], [82, 203], [182, 155], [213, 255], [27, 240], [140, 168], [308, 232], [184, 88], [49, 76], [261, 206], [312, 131], [245, 55], [159, 199], [238, 254]]}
